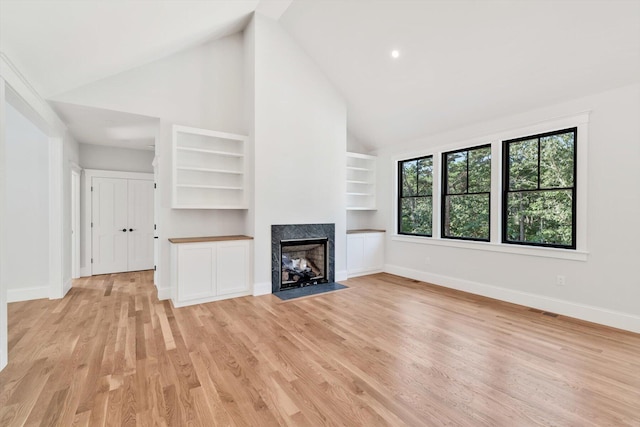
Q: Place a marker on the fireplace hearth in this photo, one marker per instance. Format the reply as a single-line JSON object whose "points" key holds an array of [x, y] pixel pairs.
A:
{"points": [[301, 255]]}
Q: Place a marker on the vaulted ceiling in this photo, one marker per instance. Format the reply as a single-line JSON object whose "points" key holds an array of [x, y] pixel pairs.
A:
{"points": [[460, 61]]}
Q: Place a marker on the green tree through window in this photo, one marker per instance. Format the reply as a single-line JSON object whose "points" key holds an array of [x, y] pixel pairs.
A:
{"points": [[415, 204], [466, 191], [539, 190]]}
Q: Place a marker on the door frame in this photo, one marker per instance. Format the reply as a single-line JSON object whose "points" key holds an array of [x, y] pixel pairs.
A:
{"points": [[89, 174], [76, 176]]}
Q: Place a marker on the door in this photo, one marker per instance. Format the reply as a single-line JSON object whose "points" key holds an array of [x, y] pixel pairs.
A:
{"points": [[109, 211], [232, 259], [140, 223], [122, 225]]}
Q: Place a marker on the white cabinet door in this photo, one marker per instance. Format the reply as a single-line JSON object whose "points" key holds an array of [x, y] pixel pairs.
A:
{"points": [[109, 220], [374, 251], [365, 253], [196, 271], [140, 222], [232, 272], [355, 252]]}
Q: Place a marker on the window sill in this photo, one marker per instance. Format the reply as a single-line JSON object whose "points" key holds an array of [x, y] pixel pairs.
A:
{"points": [[568, 254]]}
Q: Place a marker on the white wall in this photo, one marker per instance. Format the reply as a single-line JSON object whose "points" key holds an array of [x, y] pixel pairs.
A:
{"points": [[300, 145], [606, 287], [27, 208], [104, 157], [4, 329], [200, 87]]}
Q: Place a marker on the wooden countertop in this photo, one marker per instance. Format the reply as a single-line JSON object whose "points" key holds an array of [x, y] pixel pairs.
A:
{"points": [[365, 230], [208, 239]]}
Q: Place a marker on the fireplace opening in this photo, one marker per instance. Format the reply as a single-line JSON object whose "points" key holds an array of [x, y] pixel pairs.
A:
{"points": [[303, 262]]}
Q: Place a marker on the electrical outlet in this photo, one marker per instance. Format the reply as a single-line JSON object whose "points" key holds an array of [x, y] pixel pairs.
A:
{"points": [[560, 280]]}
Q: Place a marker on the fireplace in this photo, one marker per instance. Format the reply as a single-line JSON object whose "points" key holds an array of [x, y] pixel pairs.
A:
{"points": [[301, 255], [304, 262]]}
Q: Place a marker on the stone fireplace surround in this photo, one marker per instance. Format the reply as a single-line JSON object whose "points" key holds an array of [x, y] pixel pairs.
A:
{"points": [[300, 231]]}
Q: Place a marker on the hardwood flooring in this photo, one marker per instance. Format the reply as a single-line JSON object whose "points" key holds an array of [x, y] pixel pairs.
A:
{"points": [[387, 351]]}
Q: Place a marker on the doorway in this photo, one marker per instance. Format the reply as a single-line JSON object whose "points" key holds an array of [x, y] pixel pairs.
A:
{"points": [[120, 208]]}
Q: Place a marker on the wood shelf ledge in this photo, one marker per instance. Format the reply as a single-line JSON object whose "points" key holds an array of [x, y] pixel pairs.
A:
{"points": [[178, 240], [365, 230]]}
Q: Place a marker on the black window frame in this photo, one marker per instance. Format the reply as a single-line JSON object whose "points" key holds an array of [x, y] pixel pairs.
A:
{"points": [[400, 197], [506, 190], [444, 193]]}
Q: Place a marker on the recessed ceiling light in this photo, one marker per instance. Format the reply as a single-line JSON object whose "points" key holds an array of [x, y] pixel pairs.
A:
{"points": [[395, 54]]}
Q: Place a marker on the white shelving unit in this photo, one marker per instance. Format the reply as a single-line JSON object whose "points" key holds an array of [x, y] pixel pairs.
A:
{"points": [[208, 169], [361, 182]]}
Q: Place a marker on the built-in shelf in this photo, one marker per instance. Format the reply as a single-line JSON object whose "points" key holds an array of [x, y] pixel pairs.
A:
{"points": [[219, 187], [203, 150], [208, 169], [361, 182]]}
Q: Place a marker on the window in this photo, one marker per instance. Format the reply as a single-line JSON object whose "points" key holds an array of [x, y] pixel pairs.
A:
{"points": [[415, 201], [539, 193], [466, 191]]}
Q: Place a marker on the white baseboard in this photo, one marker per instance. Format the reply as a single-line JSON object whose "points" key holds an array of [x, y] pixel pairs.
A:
{"points": [[67, 286], [164, 293], [341, 275], [263, 288], [364, 272], [85, 272], [27, 294], [589, 313]]}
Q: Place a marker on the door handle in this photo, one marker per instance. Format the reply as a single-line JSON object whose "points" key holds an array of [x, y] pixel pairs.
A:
{"points": [[131, 229], [124, 230]]}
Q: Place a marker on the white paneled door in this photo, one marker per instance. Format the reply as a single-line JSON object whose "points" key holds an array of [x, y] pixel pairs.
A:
{"points": [[122, 225], [140, 222]]}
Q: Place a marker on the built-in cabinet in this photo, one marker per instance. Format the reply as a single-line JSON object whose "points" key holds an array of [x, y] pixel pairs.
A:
{"points": [[361, 182], [365, 252], [208, 169], [210, 268]]}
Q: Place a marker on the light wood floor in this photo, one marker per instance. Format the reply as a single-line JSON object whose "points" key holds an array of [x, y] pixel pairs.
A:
{"points": [[386, 351]]}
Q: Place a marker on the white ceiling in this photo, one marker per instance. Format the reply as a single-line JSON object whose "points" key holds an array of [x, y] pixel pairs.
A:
{"points": [[63, 44], [461, 62], [104, 127]]}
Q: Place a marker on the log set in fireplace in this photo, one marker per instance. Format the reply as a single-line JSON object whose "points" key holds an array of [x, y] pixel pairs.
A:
{"points": [[304, 262]]}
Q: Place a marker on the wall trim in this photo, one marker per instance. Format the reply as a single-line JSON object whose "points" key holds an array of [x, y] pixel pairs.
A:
{"points": [[56, 220], [342, 275], [363, 272], [27, 294], [616, 319], [164, 293], [262, 288], [67, 286]]}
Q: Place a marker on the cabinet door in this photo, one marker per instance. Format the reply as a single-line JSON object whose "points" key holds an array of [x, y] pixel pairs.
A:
{"points": [[374, 251], [196, 271], [355, 253], [232, 267]]}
